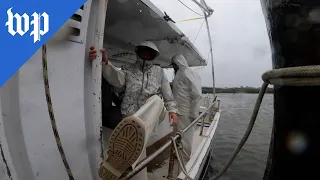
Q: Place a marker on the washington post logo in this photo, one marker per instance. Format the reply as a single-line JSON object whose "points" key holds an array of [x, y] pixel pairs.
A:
{"points": [[39, 24]]}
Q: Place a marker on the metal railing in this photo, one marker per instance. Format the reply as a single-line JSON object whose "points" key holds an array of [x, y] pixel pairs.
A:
{"points": [[142, 164], [209, 115]]}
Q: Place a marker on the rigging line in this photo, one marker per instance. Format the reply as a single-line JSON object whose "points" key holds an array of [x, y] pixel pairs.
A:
{"points": [[190, 8], [206, 60], [198, 32], [192, 19], [202, 66]]}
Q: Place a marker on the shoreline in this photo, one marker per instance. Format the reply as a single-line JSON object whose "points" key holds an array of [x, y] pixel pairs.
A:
{"points": [[247, 90]]}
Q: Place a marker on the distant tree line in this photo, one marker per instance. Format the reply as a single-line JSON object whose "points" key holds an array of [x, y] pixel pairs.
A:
{"points": [[250, 90]]}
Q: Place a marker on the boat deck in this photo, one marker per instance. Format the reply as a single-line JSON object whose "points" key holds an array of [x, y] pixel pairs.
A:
{"points": [[158, 168]]}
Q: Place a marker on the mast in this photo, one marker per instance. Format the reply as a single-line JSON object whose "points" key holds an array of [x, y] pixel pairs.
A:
{"points": [[207, 11], [211, 54]]}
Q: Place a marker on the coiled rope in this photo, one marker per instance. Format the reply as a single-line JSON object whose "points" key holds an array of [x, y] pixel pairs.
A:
{"points": [[51, 114], [292, 76]]}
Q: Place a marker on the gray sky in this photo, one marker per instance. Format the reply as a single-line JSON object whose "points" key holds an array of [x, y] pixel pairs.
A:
{"points": [[240, 41]]}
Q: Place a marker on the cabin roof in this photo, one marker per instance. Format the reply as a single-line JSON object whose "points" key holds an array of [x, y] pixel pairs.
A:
{"points": [[129, 22]]}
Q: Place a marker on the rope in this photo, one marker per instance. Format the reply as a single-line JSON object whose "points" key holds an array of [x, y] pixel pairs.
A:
{"points": [[293, 76], [51, 114], [181, 164], [192, 19], [190, 8], [52, 118], [203, 66], [198, 32]]}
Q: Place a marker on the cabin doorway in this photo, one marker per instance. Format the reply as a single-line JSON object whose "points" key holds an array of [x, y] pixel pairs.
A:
{"points": [[111, 101]]}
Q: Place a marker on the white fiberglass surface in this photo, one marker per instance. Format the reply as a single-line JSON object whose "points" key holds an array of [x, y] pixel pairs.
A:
{"points": [[66, 77], [129, 23]]}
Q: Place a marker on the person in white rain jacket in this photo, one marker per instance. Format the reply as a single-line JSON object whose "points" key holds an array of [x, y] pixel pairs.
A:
{"points": [[187, 90], [142, 108]]}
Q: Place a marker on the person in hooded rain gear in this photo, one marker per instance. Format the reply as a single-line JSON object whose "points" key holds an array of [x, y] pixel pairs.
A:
{"points": [[146, 93], [187, 91]]}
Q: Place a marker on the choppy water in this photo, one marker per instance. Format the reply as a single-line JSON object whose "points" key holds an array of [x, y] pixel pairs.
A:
{"points": [[251, 161]]}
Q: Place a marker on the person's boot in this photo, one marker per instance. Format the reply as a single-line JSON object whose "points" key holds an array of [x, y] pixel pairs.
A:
{"points": [[125, 147]]}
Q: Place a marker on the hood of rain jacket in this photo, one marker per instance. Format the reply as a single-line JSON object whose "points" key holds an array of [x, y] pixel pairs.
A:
{"points": [[187, 88]]}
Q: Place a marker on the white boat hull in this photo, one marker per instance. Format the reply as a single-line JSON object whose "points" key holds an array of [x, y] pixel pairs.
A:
{"points": [[28, 147]]}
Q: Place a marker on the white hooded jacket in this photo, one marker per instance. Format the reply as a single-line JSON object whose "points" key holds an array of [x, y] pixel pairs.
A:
{"points": [[140, 81], [186, 88]]}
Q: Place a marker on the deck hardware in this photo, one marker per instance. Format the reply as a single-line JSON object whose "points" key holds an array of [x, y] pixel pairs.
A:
{"points": [[168, 18]]}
